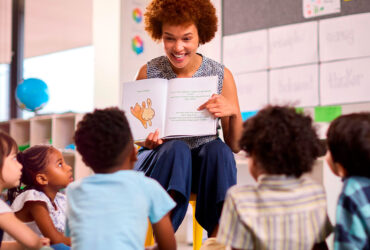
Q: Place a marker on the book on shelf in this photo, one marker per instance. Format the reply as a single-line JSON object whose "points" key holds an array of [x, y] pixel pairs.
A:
{"points": [[170, 106]]}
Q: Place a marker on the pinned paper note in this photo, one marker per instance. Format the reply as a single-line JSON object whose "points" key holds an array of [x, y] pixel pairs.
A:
{"points": [[252, 90], [313, 8], [327, 113], [345, 81], [344, 37], [293, 44], [296, 86]]}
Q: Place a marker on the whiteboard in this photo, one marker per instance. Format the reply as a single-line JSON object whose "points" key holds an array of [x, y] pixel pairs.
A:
{"points": [[293, 44], [345, 81], [246, 51], [345, 37], [296, 86]]}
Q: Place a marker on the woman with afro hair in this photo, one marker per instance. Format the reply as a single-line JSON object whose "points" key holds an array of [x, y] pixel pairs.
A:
{"points": [[203, 165]]}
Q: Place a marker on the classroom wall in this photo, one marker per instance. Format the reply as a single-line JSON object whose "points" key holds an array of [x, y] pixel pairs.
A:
{"points": [[107, 29], [310, 53], [283, 52], [124, 47]]}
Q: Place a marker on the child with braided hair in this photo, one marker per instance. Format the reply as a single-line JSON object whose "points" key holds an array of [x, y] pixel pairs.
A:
{"points": [[40, 204]]}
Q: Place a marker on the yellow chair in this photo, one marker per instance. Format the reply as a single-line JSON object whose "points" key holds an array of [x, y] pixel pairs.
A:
{"points": [[197, 229]]}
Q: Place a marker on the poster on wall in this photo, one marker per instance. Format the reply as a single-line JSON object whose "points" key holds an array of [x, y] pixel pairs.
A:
{"points": [[293, 44], [344, 37], [252, 90], [296, 86], [314, 8], [138, 48], [250, 46], [345, 81]]}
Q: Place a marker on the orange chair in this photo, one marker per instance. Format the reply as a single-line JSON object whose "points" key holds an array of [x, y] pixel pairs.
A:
{"points": [[197, 229]]}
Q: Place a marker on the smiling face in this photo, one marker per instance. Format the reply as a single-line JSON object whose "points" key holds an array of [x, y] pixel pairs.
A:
{"points": [[58, 173], [180, 44], [11, 171]]}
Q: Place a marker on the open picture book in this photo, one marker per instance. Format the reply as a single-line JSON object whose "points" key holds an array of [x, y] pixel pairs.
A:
{"points": [[170, 106]]}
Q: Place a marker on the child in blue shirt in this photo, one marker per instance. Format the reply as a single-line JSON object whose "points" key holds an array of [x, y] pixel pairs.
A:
{"points": [[110, 209], [348, 140]]}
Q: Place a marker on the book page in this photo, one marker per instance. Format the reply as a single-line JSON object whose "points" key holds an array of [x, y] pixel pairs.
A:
{"points": [[144, 104], [185, 95]]}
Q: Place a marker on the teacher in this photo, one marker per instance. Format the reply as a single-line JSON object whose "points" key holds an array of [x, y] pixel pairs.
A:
{"points": [[203, 165]]}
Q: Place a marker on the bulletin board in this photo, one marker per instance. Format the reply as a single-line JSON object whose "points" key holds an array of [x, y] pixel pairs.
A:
{"points": [[312, 54], [243, 16]]}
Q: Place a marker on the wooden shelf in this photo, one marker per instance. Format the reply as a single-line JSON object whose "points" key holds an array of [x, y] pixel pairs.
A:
{"points": [[56, 130]]}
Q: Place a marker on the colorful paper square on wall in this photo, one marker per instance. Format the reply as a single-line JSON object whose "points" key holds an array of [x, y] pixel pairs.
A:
{"points": [[327, 113]]}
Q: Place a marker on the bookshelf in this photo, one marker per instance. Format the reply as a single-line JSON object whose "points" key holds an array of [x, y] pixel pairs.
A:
{"points": [[56, 129]]}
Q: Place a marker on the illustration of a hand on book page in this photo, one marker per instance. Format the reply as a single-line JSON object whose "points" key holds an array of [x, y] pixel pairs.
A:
{"points": [[143, 114]]}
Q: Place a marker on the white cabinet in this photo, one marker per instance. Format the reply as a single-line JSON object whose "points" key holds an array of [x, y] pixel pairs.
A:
{"points": [[57, 130]]}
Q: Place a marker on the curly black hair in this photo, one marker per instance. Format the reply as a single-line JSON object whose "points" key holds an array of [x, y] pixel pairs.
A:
{"points": [[175, 12], [348, 140], [103, 138], [281, 141], [34, 161]]}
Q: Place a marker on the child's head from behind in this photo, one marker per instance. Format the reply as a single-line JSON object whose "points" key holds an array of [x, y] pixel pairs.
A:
{"points": [[348, 140], [280, 141], [10, 169], [44, 165], [104, 140]]}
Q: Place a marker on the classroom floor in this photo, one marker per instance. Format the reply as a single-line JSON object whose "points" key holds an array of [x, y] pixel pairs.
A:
{"points": [[183, 246]]}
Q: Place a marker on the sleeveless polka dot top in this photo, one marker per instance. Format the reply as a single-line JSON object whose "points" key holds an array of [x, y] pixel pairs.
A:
{"points": [[160, 67]]}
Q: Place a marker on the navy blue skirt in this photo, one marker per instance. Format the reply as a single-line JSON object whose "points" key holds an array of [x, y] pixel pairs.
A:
{"points": [[208, 170]]}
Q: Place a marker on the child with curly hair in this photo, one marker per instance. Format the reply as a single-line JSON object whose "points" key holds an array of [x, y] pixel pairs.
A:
{"points": [[40, 204], [348, 140], [110, 209], [10, 174], [285, 210], [203, 165]]}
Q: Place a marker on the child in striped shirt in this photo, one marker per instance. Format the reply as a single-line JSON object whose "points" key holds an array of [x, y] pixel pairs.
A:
{"points": [[285, 210], [348, 140]]}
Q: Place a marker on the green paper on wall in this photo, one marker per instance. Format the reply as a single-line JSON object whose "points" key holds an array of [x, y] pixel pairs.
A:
{"points": [[299, 110], [327, 113]]}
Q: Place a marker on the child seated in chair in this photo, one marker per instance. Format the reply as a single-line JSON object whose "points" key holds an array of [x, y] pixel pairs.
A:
{"points": [[285, 210], [348, 141], [110, 209]]}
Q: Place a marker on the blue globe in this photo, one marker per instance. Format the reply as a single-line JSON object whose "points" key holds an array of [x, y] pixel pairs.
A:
{"points": [[32, 94]]}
